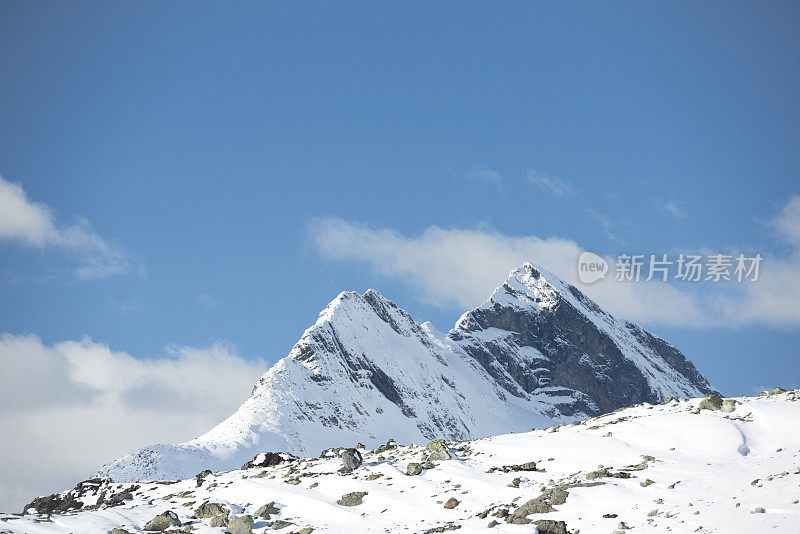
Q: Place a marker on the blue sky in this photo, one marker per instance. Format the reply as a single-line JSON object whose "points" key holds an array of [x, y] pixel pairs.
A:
{"points": [[204, 142], [186, 185], [214, 173]]}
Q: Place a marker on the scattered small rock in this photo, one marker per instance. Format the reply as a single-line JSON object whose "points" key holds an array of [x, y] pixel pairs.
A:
{"points": [[451, 503]]}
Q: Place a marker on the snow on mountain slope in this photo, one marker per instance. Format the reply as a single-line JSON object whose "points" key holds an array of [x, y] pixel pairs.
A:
{"points": [[655, 468], [538, 352]]}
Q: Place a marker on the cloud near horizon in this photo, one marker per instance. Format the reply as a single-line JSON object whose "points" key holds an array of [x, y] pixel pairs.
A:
{"points": [[103, 404], [32, 224], [461, 267]]}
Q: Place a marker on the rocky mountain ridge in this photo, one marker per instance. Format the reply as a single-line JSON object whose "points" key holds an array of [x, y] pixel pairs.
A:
{"points": [[537, 352]]}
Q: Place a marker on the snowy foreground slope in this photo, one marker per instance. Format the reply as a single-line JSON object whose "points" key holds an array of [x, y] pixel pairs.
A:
{"points": [[647, 468], [537, 352]]}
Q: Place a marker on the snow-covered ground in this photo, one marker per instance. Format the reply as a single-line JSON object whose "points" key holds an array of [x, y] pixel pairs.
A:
{"points": [[668, 468]]}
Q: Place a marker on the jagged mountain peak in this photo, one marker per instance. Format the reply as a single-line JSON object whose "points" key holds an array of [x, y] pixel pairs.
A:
{"points": [[537, 352], [528, 286]]}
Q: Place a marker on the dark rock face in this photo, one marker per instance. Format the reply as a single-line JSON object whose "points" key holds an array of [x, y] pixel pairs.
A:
{"points": [[569, 347], [53, 504]]}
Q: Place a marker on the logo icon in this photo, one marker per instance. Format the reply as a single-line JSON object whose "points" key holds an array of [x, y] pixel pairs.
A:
{"points": [[591, 267]]}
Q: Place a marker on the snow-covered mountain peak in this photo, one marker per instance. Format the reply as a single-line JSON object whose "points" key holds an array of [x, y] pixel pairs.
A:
{"points": [[537, 352], [528, 288]]}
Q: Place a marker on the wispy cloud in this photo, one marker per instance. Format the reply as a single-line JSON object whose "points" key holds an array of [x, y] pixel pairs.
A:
{"points": [[460, 267], [672, 208], [32, 224], [207, 300], [127, 306], [71, 389], [604, 221], [552, 184], [484, 175]]}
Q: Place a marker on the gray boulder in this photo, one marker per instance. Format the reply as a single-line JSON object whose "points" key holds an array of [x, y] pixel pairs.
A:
{"points": [[220, 520], [241, 525], [268, 509], [210, 509], [710, 402], [437, 450], [264, 459], [351, 459], [728, 405], [548, 526], [542, 504], [201, 476], [413, 469], [352, 499], [163, 521]]}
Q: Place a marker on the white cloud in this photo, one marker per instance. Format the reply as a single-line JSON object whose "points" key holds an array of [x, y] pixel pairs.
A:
{"points": [[67, 408], [22, 219], [482, 174], [447, 267], [553, 184], [457, 267], [788, 221], [32, 224]]}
